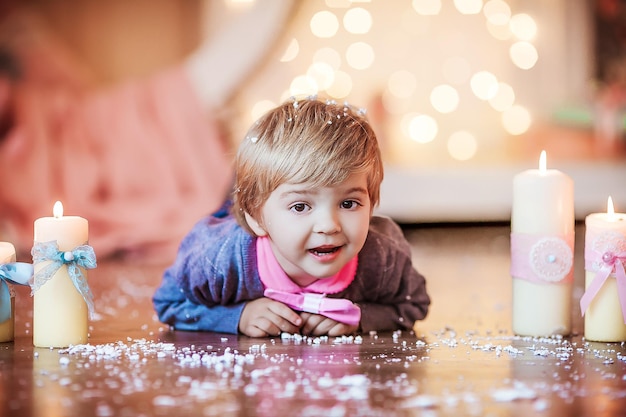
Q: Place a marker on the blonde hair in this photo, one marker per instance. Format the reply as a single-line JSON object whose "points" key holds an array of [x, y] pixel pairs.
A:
{"points": [[304, 141]]}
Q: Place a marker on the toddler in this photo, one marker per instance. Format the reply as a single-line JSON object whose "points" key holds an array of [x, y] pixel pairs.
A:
{"points": [[298, 250]]}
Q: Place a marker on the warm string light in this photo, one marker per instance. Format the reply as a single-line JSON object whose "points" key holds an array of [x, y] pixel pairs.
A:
{"points": [[337, 77]]}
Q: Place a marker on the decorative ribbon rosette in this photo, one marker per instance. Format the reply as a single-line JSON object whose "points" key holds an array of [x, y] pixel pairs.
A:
{"points": [[338, 309], [605, 256], [542, 259], [82, 256], [18, 273]]}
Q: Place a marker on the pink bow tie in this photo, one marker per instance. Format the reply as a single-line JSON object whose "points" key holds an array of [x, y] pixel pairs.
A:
{"points": [[338, 309]]}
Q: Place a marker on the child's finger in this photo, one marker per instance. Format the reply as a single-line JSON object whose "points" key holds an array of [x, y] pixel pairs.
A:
{"points": [[285, 316]]}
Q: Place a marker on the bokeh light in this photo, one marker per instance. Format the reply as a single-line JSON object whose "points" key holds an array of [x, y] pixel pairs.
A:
{"points": [[504, 97], [341, 86], [324, 24], [322, 73], [357, 21], [497, 12], [421, 68], [484, 85], [468, 6], [360, 55], [516, 120], [427, 7], [523, 27], [523, 54], [303, 86], [423, 128], [444, 98], [462, 145], [499, 32]]}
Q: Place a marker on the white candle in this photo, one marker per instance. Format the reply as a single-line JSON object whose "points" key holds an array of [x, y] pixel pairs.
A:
{"points": [[60, 313], [542, 241], [7, 328], [605, 252]]}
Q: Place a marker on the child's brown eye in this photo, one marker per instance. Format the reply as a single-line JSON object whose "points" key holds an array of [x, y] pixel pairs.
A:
{"points": [[348, 204], [299, 207]]}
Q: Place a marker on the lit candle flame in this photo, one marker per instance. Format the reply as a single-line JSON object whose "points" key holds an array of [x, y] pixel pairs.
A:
{"points": [[57, 210], [610, 210], [542, 162]]}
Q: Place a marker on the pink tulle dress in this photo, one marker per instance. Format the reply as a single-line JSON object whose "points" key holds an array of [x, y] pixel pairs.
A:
{"points": [[141, 161]]}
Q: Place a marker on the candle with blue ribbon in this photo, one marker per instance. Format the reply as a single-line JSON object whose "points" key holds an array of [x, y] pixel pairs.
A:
{"points": [[62, 298], [11, 272], [81, 257]]}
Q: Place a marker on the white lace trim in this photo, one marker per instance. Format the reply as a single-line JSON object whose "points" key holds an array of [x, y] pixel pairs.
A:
{"points": [[551, 259]]}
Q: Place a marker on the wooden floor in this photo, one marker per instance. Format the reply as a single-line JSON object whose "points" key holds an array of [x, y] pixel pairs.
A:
{"points": [[461, 360]]}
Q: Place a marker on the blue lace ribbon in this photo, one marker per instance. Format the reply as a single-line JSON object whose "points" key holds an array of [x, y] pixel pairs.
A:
{"points": [[81, 256], [18, 273]]}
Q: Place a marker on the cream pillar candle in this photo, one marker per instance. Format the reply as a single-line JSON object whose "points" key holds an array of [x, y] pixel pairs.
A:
{"points": [[7, 332], [60, 313], [542, 242], [604, 301]]}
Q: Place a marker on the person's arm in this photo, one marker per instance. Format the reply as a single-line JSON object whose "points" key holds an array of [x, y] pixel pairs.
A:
{"points": [[211, 280], [173, 308], [397, 311], [392, 293], [215, 72]]}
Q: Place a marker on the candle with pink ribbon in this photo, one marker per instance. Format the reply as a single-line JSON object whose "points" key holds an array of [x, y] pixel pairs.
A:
{"points": [[542, 242], [604, 301]]}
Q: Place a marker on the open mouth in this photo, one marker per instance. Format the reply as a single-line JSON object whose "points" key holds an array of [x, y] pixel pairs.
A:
{"points": [[325, 250]]}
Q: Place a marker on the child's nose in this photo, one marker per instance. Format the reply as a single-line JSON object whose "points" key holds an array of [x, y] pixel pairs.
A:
{"points": [[327, 222]]}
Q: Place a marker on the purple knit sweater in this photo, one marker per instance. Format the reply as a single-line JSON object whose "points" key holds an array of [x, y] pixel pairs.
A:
{"points": [[215, 274]]}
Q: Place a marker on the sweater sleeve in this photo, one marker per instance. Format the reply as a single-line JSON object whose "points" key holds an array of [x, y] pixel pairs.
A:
{"points": [[390, 292], [173, 308], [212, 278]]}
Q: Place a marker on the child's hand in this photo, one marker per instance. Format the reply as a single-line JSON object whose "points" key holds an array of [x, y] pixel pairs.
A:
{"points": [[318, 325], [265, 317]]}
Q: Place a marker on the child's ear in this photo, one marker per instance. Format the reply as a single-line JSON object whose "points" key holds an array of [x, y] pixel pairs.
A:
{"points": [[254, 225]]}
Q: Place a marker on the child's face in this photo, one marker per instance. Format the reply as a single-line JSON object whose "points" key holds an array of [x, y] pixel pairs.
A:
{"points": [[314, 232]]}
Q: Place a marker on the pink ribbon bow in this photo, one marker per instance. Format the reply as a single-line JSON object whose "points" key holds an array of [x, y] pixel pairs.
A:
{"points": [[611, 263], [338, 309]]}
